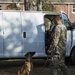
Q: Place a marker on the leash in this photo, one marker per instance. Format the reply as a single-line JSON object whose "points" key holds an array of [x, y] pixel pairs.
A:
{"points": [[43, 65]]}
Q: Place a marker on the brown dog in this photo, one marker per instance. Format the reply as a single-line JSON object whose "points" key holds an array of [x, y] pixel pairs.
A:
{"points": [[26, 68]]}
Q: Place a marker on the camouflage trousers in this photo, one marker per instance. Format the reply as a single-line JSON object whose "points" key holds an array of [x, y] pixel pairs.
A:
{"points": [[56, 64]]}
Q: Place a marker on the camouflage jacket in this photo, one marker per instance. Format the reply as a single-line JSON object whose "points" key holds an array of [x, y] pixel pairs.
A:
{"points": [[58, 44]]}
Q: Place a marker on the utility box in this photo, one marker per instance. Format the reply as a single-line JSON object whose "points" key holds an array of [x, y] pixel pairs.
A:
{"points": [[25, 31]]}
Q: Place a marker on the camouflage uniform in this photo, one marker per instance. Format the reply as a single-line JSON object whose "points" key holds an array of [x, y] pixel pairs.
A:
{"points": [[58, 50]]}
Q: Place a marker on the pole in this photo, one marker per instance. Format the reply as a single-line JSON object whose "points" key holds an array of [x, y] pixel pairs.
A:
{"points": [[26, 4]]}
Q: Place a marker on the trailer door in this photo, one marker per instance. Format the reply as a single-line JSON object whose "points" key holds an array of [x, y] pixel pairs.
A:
{"points": [[12, 34], [1, 35], [33, 33]]}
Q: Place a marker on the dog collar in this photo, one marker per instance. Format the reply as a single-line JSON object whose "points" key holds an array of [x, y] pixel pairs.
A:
{"points": [[27, 61]]}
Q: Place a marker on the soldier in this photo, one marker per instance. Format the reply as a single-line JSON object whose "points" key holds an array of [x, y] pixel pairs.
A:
{"points": [[57, 48]]}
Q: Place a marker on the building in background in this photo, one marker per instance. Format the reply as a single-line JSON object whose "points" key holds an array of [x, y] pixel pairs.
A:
{"points": [[67, 6]]}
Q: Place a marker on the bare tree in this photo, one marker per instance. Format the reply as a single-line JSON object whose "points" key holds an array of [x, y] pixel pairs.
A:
{"points": [[27, 4], [47, 6]]}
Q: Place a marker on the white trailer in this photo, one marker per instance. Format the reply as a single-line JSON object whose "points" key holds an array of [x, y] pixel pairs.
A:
{"points": [[24, 31]]}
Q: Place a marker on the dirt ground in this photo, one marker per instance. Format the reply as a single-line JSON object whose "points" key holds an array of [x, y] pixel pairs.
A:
{"points": [[11, 67]]}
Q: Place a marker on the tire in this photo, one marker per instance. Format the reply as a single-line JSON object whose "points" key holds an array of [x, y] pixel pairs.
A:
{"points": [[73, 56]]}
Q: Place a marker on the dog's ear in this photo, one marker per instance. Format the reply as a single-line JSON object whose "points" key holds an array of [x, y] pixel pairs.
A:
{"points": [[31, 53]]}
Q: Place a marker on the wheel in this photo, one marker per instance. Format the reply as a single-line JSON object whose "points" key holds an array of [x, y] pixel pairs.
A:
{"points": [[73, 56]]}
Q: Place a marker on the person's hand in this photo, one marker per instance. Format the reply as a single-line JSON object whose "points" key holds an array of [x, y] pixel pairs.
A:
{"points": [[49, 52]]}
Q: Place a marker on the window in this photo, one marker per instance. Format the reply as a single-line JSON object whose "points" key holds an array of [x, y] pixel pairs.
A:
{"points": [[65, 19], [0, 6], [73, 8]]}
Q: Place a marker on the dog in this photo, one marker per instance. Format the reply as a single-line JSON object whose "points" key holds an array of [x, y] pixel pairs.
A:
{"points": [[27, 67]]}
